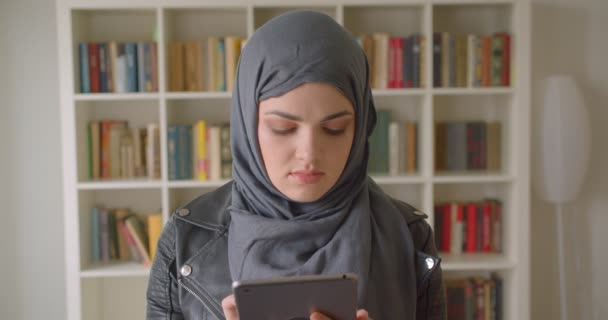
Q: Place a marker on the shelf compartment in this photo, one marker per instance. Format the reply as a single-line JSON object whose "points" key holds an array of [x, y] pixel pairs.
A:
{"points": [[140, 201], [114, 298], [187, 111], [473, 18], [262, 14], [464, 109], [397, 20], [137, 113]]}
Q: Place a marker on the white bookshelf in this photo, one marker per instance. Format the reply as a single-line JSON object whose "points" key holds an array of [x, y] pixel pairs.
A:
{"points": [[117, 291]]}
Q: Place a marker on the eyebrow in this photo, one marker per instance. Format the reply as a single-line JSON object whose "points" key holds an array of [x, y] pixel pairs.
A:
{"points": [[296, 118]]}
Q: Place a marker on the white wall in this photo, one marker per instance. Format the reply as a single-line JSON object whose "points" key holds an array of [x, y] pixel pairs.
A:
{"points": [[571, 37], [568, 36], [31, 227]]}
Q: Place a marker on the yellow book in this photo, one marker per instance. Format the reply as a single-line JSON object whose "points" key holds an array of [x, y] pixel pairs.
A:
{"points": [[155, 225], [200, 150]]}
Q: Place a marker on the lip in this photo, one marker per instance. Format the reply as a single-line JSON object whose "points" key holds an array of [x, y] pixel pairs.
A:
{"points": [[307, 176]]}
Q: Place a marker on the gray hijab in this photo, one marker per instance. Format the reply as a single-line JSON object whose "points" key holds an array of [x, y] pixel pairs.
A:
{"points": [[354, 227]]}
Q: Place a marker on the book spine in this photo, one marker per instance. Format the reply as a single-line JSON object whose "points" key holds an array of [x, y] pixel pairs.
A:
{"points": [[437, 60], [85, 81], [103, 68], [94, 66]]}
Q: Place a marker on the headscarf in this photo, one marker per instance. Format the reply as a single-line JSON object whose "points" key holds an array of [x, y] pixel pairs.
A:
{"points": [[354, 227]]}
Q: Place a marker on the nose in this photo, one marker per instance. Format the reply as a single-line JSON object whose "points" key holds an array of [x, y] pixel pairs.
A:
{"points": [[308, 146]]}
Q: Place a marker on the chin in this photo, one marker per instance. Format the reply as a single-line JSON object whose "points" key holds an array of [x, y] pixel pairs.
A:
{"points": [[304, 195]]}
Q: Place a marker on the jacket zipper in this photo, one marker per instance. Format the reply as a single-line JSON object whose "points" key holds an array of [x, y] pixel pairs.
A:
{"points": [[197, 296]]}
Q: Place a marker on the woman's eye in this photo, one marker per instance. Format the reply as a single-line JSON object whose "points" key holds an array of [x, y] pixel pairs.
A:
{"points": [[283, 132], [334, 132]]}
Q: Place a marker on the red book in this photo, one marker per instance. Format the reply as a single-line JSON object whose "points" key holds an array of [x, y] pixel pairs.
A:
{"points": [[447, 227], [506, 58], [94, 67], [496, 226], [486, 227], [399, 63], [392, 52], [471, 241]]}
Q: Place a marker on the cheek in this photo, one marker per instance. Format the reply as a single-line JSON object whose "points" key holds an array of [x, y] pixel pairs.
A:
{"points": [[274, 150]]}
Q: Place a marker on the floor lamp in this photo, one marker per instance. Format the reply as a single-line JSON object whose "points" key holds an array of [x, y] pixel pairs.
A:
{"points": [[564, 142]]}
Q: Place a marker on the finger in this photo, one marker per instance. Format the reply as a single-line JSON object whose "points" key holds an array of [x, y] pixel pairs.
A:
{"points": [[318, 316], [229, 306], [362, 314]]}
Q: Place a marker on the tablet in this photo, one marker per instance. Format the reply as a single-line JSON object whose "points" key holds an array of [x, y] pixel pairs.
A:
{"points": [[295, 298]]}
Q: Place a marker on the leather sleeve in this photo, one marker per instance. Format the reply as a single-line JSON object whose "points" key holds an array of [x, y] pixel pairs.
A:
{"points": [[431, 304], [162, 294]]}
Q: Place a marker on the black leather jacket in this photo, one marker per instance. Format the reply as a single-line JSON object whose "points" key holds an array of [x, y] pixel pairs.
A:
{"points": [[190, 274]]}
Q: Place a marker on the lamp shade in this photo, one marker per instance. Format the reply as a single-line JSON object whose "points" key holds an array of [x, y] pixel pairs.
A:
{"points": [[563, 141]]}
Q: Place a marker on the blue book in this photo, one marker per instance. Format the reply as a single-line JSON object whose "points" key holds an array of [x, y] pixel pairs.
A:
{"points": [[222, 56], [95, 248], [85, 81], [184, 155], [103, 67], [131, 53], [141, 68]]}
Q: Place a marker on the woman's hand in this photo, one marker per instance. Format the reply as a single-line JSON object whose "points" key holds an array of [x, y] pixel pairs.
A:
{"points": [[229, 306]]}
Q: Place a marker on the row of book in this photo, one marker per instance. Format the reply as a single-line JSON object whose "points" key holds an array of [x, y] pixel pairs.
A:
{"points": [[393, 146], [475, 298], [471, 60], [470, 227], [395, 62], [118, 67], [121, 235], [204, 65], [117, 151], [473, 145], [200, 151]]}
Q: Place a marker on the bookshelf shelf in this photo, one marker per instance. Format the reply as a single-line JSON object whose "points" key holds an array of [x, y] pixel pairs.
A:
{"points": [[197, 95], [115, 96], [116, 270], [403, 179], [92, 288], [472, 178], [472, 91], [478, 261], [125, 184], [398, 92]]}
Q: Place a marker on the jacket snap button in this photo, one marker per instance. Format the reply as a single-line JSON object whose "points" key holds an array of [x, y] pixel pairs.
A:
{"points": [[430, 263], [183, 212], [186, 270], [420, 213]]}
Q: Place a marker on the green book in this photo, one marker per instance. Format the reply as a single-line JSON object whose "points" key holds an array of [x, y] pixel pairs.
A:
{"points": [[378, 144]]}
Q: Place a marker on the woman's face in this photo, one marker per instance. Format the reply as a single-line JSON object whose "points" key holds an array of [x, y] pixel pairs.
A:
{"points": [[305, 138]]}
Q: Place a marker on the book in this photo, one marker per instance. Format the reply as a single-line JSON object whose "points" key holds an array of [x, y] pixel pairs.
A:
{"points": [[176, 66], [137, 230], [381, 47], [85, 81], [155, 225]]}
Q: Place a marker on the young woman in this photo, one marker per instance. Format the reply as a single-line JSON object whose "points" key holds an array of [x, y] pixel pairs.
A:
{"points": [[300, 201]]}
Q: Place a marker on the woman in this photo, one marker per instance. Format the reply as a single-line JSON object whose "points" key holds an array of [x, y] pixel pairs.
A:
{"points": [[301, 201]]}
